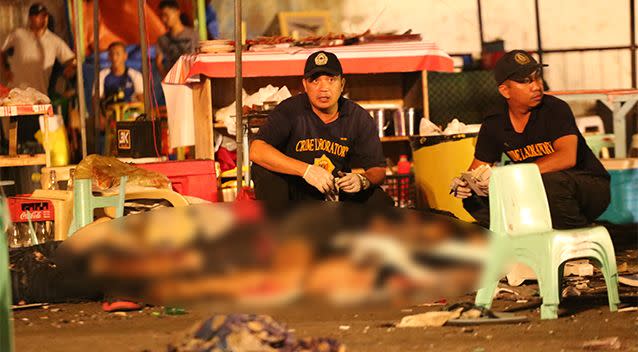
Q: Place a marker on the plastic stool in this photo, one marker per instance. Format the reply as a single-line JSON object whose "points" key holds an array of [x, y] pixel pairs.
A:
{"points": [[600, 144], [84, 202], [590, 124], [522, 232]]}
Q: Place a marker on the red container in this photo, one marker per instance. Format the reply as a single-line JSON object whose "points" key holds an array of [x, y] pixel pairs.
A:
{"points": [[40, 209], [189, 177]]}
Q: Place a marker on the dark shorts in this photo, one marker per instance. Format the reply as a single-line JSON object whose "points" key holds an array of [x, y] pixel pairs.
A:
{"points": [[576, 199]]}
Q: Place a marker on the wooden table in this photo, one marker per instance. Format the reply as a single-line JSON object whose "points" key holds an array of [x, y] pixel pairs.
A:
{"points": [[618, 101], [15, 159]]}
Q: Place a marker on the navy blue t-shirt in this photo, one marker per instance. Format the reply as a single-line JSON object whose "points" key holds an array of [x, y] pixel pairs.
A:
{"points": [[351, 141], [550, 120]]}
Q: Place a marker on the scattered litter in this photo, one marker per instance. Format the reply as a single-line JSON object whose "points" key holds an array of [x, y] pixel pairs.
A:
{"points": [[628, 309], [429, 319], [174, 311], [467, 330], [249, 332], [406, 310], [570, 291], [28, 306], [580, 267], [622, 267], [344, 327], [610, 343], [440, 302], [120, 314], [629, 280], [55, 310], [522, 301], [365, 330]]}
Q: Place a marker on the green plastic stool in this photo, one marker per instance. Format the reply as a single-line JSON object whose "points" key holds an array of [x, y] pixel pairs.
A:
{"points": [[84, 203], [6, 325], [600, 143], [522, 232]]}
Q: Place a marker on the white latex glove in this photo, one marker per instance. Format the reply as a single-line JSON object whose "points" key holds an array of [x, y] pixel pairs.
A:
{"points": [[460, 189], [319, 178], [484, 185], [349, 183]]}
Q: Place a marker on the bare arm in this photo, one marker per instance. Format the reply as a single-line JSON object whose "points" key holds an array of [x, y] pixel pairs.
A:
{"points": [[476, 163], [563, 157], [272, 159], [375, 175]]}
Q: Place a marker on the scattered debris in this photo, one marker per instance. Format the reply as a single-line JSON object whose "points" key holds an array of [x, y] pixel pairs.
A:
{"points": [[628, 309], [629, 280], [622, 267], [429, 319], [120, 314], [610, 343], [440, 302], [580, 267], [406, 310], [249, 332], [365, 330], [344, 327], [570, 291]]}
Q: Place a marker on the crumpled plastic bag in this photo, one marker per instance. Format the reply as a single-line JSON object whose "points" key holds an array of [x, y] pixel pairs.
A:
{"points": [[29, 96], [105, 173], [428, 128], [269, 93]]}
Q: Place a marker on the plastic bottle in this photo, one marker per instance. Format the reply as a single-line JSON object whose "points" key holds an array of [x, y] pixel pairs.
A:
{"points": [[53, 180], [403, 169], [13, 236], [69, 183], [403, 166]]}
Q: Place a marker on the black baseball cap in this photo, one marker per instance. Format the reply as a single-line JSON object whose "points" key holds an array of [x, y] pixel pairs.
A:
{"points": [[322, 62], [515, 65], [37, 9]]}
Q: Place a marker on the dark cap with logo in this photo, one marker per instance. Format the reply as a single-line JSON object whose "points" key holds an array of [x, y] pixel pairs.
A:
{"points": [[515, 65], [322, 62], [37, 9]]}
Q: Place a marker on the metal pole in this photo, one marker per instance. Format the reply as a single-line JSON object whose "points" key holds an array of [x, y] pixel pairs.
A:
{"points": [[96, 76], [239, 123], [201, 19], [145, 72], [538, 32], [80, 77], [632, 30], [480, 22]]}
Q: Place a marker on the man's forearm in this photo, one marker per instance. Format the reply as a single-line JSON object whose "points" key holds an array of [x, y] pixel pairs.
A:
{"points": [[376, 175], [272, 159], [556, 161]]}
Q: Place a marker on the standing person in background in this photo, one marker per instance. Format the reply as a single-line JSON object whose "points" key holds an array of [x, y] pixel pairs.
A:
{"points": [[28, 54], [119, 82], [178, 40]]}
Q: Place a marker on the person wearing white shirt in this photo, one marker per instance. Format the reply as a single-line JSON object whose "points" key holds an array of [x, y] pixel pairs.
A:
{"points": [[28, 54]]}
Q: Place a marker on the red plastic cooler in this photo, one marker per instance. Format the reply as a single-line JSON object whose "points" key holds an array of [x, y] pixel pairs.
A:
{"points": [[189, 177]]}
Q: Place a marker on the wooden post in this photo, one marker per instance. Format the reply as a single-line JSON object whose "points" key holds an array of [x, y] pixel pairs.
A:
{"points": [[426, 100], [13, 136], [203, 115]]}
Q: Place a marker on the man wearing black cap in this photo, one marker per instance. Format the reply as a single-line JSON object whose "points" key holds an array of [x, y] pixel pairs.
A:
{"points": [[28, 54], [535, 128], [313, 138]]}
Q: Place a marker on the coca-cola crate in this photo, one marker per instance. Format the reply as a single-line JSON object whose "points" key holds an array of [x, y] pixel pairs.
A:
{"points": [[39, 209], [401, 189]]}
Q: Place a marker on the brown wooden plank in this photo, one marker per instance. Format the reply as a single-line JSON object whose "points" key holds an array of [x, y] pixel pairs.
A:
{"points": [[203, 115], [13, 137], [22, 160]]}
